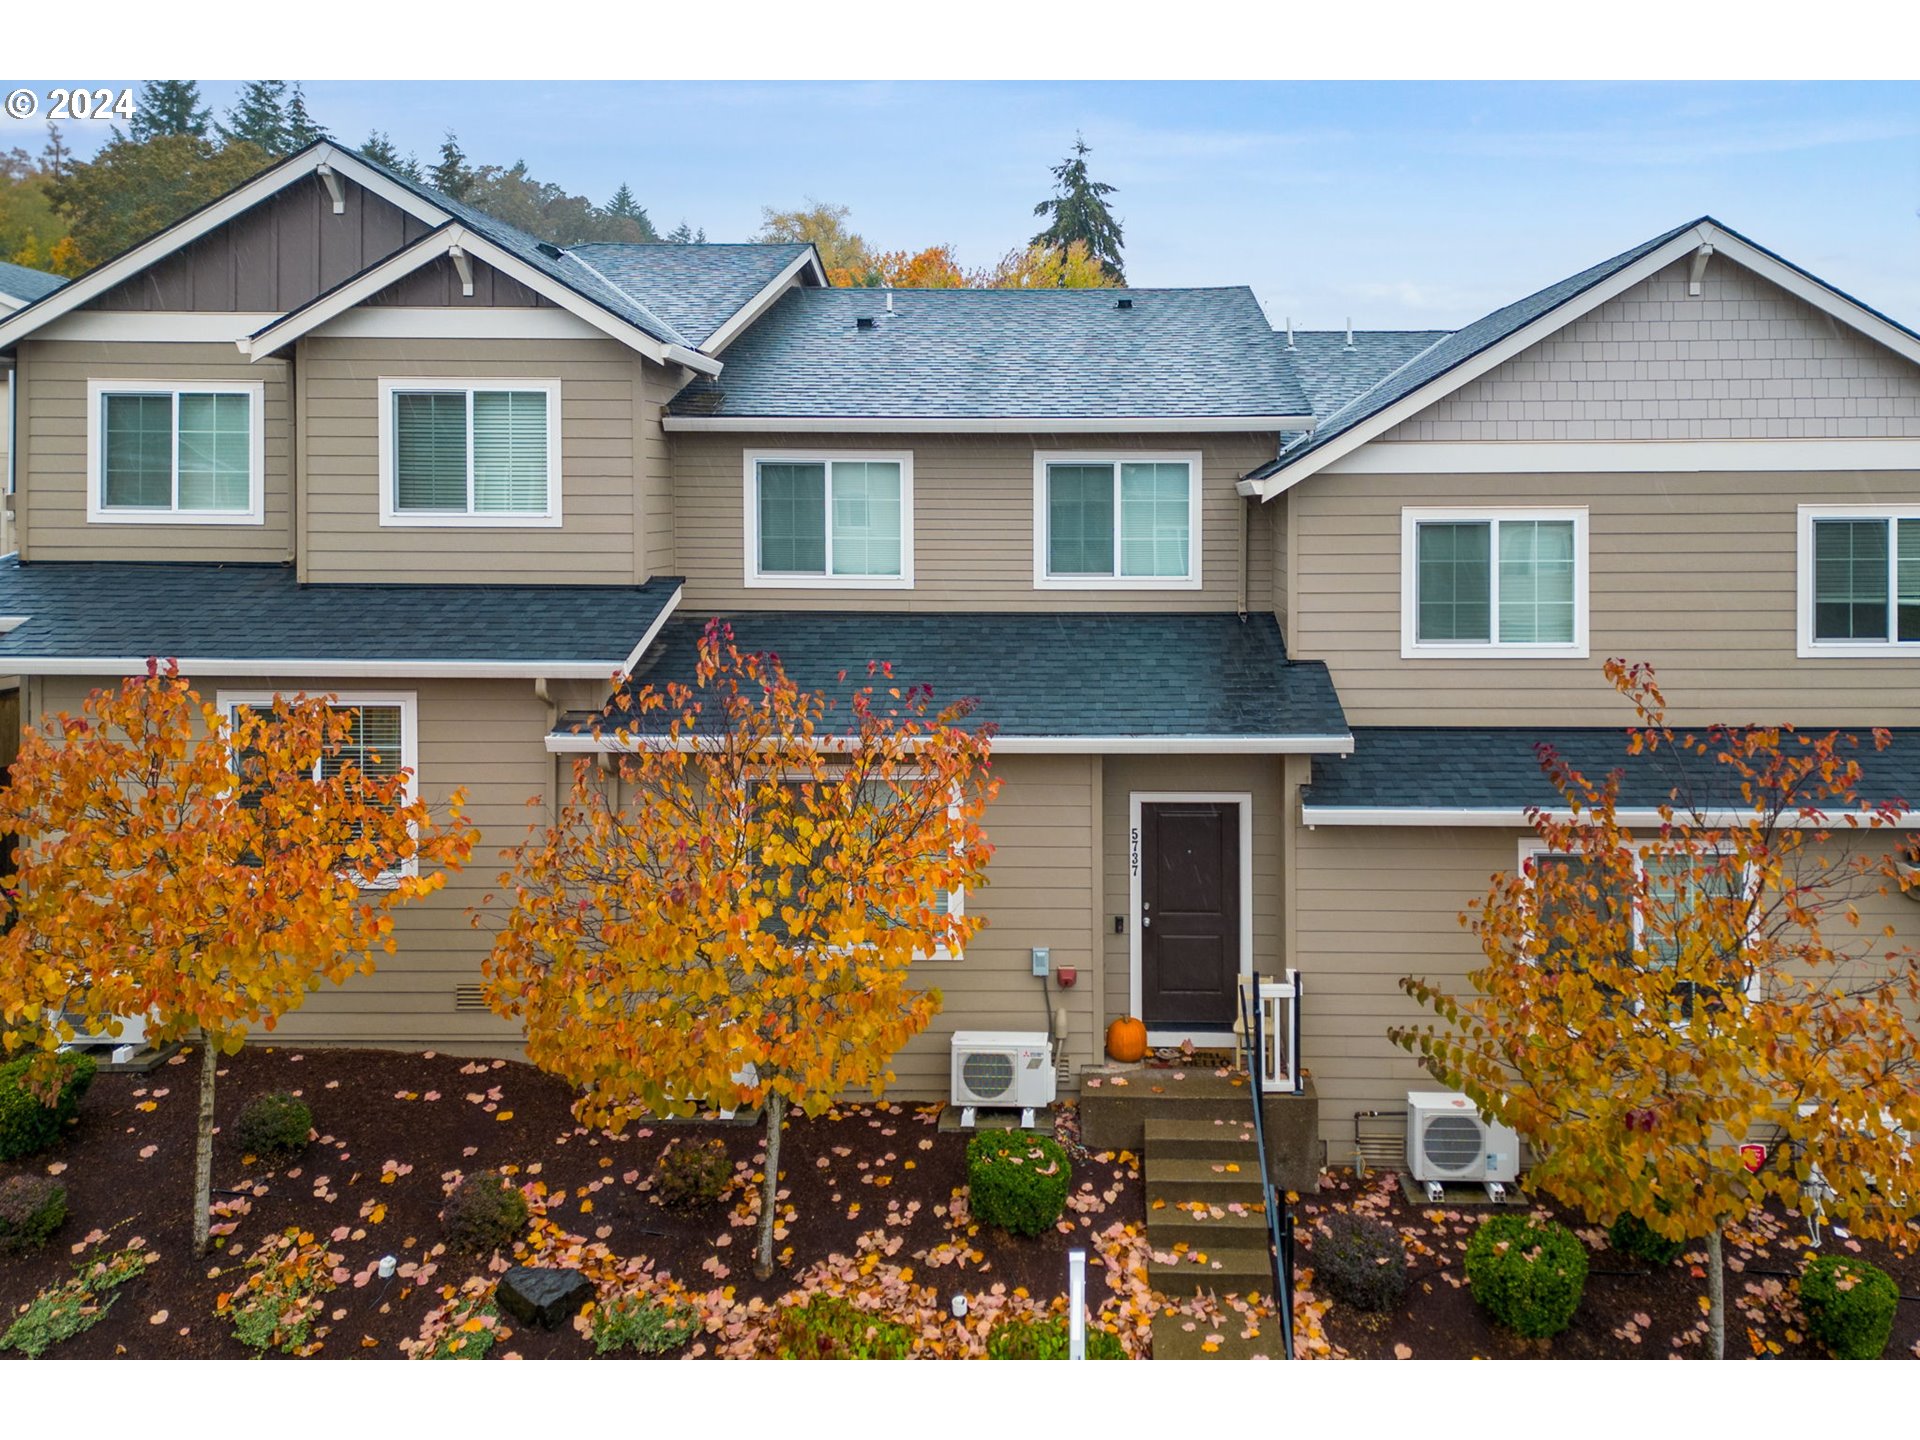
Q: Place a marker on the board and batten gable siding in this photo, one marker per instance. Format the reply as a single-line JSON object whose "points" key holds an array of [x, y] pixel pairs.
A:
{"points": [[973, 521], [438, 285], [1742, 360], [51, 431], [602, 539], [275, 256]]}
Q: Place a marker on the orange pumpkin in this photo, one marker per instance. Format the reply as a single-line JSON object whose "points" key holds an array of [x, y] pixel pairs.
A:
{"points": [[1127, 1039]]}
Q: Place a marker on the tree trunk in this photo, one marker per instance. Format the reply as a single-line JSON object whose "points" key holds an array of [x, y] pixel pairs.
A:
{"points": [[770, 1187], [1716, 1297], [203, 1150]]}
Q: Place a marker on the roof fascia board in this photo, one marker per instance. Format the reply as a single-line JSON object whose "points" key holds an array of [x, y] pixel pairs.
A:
{"points": [[574, 669], [579, 744], [1815, 292], [182, 233], [1477, 365], [736, 324], [653, 630], [1600, 457], [1521, 817], [1010, 425]]}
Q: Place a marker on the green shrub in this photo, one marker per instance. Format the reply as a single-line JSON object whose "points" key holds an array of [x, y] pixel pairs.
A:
{"points": [[692, 1173], [1017, 1181], [63, 1311], [28, 1124], [483, 1213], [1048, 1340], [1630, 1235], [1849, 1306], [279, 1306], [273, 1127], [32, 1207], [642, 1323], [830, 1328], [1528, 1277], [1360, 1261]]}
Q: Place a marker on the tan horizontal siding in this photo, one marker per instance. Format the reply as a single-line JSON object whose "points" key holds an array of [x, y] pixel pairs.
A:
{"points": [[52, 460], [973, 503]]}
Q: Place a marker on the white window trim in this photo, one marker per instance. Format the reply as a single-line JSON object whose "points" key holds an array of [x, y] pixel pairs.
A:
{"points": [[226, 701], [1135, 973], [1412, 648], [100, 513], [1812, 649], [757, 579], [1042, 580], [392, 515]]}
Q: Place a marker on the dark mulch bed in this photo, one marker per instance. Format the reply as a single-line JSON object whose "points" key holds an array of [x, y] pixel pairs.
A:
{"points": [[1631, 1310], [128, 1168]]}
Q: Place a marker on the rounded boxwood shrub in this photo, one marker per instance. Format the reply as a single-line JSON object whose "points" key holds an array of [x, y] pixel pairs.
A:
{"points": [[1048, 1340], [32, 1207], [1849, 1306], [1360, 1261], [1631, 1235], [28, 1124], [1529, 1277], [691, 1173], [1017, 1180], [830, 1328], [274, 1127], [484, 1212]]}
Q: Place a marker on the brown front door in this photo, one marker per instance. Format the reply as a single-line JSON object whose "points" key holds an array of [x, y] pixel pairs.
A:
{"points": [[1189, 914]]}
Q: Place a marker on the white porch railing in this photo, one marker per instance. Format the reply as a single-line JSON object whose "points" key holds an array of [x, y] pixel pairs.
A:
{"points": [[1278, 1063]]}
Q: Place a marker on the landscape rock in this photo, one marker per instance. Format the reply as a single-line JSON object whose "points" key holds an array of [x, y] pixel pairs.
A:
{"points": [[543, 1296]]}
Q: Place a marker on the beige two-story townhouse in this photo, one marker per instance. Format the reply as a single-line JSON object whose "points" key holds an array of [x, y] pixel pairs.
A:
{"points": [[1267, 623]]}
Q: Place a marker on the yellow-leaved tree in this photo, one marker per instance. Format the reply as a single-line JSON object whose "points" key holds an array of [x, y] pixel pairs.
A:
{"points": [[204, 872], [727, 915], [1652, 1000]]}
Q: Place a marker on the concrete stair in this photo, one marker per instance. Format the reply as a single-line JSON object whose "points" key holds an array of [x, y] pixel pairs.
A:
{"points": [[1173, 1341], [1205, 1208]]}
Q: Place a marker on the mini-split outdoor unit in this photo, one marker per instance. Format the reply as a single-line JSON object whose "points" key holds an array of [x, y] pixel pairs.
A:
{"points": [[1001, 1069], [1450, 1142]]}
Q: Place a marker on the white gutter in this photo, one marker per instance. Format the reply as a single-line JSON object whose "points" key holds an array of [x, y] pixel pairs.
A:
{"points": [[994, 425], [588, 744], [1510, 817]]}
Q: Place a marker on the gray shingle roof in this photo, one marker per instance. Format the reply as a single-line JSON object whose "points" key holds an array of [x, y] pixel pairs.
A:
{"points": [[17, 282], [117, 610], [992, 354], [1430, 768], [696, 288], [1063, 675], [1332, 375]]}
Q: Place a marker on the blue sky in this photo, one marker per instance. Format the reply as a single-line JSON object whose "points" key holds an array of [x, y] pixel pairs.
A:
{"points": [[1400, 204]]}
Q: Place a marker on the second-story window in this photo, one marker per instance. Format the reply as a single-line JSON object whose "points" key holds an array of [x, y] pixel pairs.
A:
{"points": [[820, 520], [1496, 583], [173, 452], [1859, 580], [469, 452], [1116, 521]]}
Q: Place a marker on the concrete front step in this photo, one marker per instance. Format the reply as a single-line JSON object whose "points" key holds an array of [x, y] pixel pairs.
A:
{"points": [[1173, 1341], [1174, 1226], [1228, 1270], [1202, 1139], [1224, 1177]]}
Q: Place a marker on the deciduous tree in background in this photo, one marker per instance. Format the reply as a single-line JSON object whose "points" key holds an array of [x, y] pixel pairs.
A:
{"points": [[205, 874], [729, 917], [1650, 1001], [131, 190], [1039, 267]]}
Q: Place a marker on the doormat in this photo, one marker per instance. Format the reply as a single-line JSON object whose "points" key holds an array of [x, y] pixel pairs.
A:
{"points": [[1464, 1196], [1199, 1058]]}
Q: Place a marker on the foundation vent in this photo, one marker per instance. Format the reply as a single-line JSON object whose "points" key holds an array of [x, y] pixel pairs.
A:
{"points": [[468, 997]]}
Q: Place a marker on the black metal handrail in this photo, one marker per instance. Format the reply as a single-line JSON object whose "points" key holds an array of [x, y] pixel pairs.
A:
{"points": [[1279, 1216]]}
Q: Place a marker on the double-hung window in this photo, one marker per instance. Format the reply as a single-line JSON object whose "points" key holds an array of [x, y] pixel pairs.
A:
{"points": [[842, 521], [175, 452], [469, 452], [1129, 521], [1859, 580], [1493, 583]]}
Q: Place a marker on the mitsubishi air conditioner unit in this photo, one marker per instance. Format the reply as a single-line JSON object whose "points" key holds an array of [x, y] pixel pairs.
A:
{"points": [[1450, 1142], [1001, 1069]]}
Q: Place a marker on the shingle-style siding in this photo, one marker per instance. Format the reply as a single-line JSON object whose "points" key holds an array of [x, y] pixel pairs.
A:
{"points": [[1694, 573], [1742, 360], [601, 540], [973, 521], [275, 256], [51, 429]]}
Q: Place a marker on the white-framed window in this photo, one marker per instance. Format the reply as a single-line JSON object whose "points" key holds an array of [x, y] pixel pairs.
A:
{"points": [[176, 452], [1493, 582], [469, 452], [1107, 521], [385, 738], [1859, 580], [839, 520]]}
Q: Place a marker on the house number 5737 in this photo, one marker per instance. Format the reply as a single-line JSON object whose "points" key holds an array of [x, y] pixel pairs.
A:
{"points": [[1133, 849]]}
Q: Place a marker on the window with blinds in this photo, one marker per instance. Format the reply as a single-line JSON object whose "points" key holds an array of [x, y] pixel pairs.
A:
{"points": [[165, 451], [471, 454], [821, 520], [1504, 582], [1866, 579], [1129, 521]]}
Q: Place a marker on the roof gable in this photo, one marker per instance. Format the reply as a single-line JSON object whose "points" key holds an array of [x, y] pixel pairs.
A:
{"points": [[698, 288]]}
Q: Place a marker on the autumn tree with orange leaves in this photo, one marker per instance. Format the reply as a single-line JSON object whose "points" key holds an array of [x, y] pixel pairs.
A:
{"points": [[205, 873], [727, 916], [1651, 1000]]}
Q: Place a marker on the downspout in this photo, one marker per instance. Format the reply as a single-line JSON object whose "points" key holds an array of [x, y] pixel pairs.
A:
{"points": [[1245, 545], [296, 446], [545, 697]]}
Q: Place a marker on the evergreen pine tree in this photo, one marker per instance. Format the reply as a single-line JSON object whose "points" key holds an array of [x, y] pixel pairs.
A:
{"points": [[169, 107], [56, 159], [378, 147], [1079, 211], [624, 206], [302, 128], [451, 175], [684, 234], [259, 116]]}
